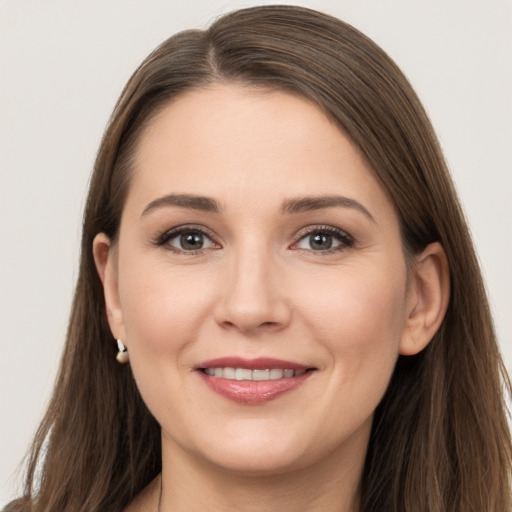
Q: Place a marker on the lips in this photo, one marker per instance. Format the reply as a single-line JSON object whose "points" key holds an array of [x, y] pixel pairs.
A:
{"points": [[252, 381], [248, 374]]}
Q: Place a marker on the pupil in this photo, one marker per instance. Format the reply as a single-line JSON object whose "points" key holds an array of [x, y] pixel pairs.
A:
{"points": [[321, 241], [191, 241]]}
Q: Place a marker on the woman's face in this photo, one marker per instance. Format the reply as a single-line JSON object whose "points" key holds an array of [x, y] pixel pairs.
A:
{"points": [[255, 243]]}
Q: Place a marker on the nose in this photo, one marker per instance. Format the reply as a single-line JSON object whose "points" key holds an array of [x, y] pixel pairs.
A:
{"points": [[253, 298]]}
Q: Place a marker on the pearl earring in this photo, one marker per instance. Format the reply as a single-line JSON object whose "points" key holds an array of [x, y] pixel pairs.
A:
{"points": [[122, 354]]}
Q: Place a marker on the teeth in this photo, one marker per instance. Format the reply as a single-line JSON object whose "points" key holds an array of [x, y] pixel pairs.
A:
{"points": [[227, 373], [276, 374], [246, 374], [260, 374], [243, 374]]}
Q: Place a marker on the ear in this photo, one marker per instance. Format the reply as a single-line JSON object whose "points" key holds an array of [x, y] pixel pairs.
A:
{"points": [[105, 258], [427, 300]]}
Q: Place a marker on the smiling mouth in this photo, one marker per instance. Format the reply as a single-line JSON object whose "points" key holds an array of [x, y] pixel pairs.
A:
{"points": [[246, 374], [253, 381]]}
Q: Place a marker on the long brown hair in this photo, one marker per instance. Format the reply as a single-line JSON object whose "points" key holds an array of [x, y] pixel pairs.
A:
{"points": [[440, 438]]}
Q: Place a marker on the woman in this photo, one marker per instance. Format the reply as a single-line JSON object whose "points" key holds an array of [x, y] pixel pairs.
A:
{"points": [[273, 242]]}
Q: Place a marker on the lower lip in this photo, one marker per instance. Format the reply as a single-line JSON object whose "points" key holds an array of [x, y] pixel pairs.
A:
{"points": [[253, 391]]}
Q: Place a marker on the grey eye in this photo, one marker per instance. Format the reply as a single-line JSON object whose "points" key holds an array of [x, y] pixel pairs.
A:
{"points": [[191, 241], [319, 241]]}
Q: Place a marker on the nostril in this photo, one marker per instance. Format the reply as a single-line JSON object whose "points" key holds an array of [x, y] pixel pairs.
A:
{"points": [[248, 323]]}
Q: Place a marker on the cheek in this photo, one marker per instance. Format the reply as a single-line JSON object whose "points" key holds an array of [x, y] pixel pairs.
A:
{"points": [[357, 298], [359, 324], [359, 319], [163, 312], [159, 305]]}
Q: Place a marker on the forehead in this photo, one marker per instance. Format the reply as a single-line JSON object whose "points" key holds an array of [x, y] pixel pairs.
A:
{"points": [[231, 142]]}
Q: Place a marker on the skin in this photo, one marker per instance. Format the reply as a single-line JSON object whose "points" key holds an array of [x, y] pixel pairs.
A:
{"points": [[258, 288]]}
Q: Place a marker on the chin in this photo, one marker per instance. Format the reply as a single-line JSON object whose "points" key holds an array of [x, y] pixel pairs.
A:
{"points": [[263, 452], [246, 446], [272, 462]]}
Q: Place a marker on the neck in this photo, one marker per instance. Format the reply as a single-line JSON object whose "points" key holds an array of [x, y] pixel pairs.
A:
{"points": [[190, 483]]}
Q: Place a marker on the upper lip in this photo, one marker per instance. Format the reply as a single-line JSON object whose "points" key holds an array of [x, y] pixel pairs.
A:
{"points": [[260, 363]]}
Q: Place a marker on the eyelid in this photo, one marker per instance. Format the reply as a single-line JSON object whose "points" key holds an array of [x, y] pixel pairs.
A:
{"points": [[341, 235], [345, 239], [176, 231]]}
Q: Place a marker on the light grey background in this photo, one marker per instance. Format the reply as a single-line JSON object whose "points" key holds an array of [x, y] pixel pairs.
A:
{"points": [[63, 64]]}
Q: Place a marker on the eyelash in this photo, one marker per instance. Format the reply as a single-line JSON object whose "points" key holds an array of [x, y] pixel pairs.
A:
{"points": [[341, 236], [181, 230]]}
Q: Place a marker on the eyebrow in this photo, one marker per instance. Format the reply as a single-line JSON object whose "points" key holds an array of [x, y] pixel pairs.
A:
{"points": [[290, 206], [310, 203], [192, 202]]}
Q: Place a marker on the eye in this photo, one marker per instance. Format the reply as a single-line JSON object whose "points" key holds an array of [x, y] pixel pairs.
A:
{"points": [[186, 239], [191, 241], [323, 239]]}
